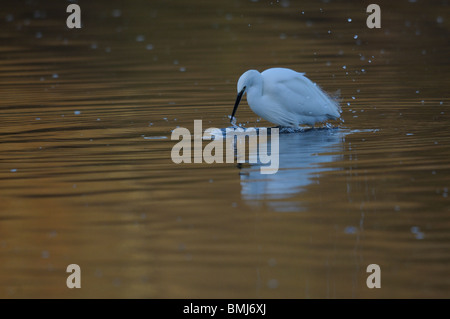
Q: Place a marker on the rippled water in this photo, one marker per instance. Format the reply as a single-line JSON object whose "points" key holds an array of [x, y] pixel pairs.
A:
{"points": [[85, 152]]}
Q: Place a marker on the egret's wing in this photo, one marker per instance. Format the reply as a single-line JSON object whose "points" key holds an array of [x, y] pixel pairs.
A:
{"points": [[297, 93], [311, 98]]}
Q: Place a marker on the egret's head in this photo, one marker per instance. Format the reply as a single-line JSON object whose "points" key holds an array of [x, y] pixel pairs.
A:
{"points": [[245, 81]]}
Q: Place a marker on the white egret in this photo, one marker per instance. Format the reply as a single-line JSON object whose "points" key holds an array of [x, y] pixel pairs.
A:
{"points": [[285, 97]]}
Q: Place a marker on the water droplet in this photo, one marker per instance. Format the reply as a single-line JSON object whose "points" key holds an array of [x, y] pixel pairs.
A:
{"points": [[355, 37], [420, 235], [140, 38], [77, 112], [272, 262], [117, 282], [149, 47], [272, 284], [13, 170], [37, 14], [116, 13], [349, 20], [415, 229], [155, 137], [417, 233], [350, 230]]}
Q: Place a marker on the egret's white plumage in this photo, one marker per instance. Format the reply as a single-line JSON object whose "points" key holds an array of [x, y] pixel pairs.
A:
{"points": [[286, 97]]}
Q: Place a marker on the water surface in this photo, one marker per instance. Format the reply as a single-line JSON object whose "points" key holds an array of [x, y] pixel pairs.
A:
{"points": [[87, 177]]}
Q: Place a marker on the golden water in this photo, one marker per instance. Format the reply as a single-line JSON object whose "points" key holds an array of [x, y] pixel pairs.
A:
{"points": [[87, 178]]}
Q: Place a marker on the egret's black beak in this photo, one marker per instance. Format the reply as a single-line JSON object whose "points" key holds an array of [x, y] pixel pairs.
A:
{"points": [[236, 104]]}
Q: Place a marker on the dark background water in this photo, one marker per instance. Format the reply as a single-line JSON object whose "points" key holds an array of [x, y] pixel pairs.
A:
{"points": [[87, 178]]}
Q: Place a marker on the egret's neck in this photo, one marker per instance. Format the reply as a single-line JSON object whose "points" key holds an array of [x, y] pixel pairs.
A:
{"points": [[255, 90]]}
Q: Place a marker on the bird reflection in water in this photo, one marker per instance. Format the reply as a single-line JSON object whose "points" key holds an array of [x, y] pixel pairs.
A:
{"points": [[302, 156]]}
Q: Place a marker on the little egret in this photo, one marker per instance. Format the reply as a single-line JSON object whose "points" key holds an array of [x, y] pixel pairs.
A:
{"points": [[285, 97]]}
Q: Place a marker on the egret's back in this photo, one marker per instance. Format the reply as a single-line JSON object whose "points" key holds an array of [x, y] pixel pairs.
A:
{"points": [[294, 95]]}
